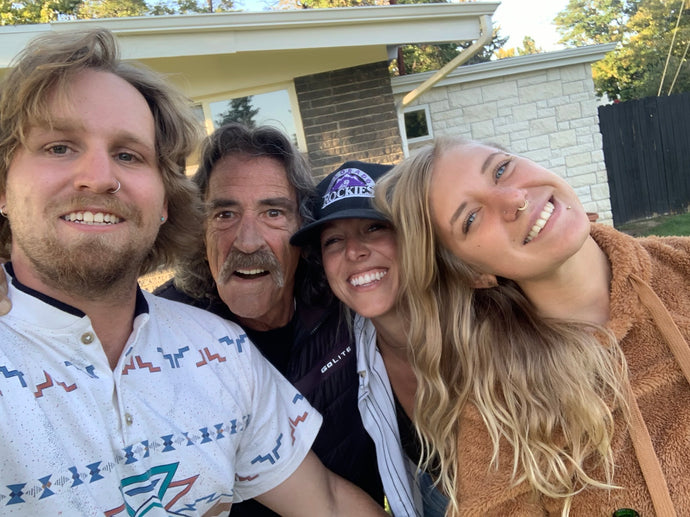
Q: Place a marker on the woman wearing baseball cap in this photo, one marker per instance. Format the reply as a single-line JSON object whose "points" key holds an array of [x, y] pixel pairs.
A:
{"points": [[357, 247]]}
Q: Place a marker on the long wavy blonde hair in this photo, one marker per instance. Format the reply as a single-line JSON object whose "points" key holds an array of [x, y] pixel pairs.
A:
{"points": [[547, 386]]}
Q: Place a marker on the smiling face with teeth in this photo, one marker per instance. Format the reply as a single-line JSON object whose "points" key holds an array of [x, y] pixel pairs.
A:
{"points": [[360, 261], [69, 231], [477, 195], [252, 212]]}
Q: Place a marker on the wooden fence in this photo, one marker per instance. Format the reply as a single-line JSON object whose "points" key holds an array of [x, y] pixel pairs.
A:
{"points": [[647, 152]]}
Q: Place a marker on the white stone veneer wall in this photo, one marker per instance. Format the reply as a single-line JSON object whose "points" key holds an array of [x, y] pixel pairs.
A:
{"points": [[548, 115]]}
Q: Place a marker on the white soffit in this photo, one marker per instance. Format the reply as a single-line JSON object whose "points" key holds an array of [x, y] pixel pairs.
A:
{"points": [[225, 33]]}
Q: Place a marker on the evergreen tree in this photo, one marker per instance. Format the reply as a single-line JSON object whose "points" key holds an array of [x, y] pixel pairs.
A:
{"points": [[239, 110]]}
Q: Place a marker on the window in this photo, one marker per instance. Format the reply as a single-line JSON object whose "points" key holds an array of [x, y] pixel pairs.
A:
{"points": [[198, 111], [271, 109], [417, 124]]}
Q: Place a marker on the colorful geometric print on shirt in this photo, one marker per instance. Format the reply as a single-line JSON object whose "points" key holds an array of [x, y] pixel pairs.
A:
{"points": [[191, 419]]}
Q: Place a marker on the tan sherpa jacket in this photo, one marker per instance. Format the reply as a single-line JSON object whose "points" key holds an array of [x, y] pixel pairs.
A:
{"points": [[661, 390]]}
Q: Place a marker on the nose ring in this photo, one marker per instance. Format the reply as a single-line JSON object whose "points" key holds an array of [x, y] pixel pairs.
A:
{"points": [[111, 191], [523, 207]]}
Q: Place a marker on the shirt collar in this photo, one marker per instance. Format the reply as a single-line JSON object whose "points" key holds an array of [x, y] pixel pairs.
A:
{"points": [[141, 305]]}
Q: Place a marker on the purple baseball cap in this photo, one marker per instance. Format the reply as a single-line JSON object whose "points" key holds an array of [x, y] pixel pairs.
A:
{"points": [[345, 193]]}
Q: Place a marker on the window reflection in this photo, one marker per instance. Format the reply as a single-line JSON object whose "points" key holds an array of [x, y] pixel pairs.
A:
{"points": [[272, 109]]}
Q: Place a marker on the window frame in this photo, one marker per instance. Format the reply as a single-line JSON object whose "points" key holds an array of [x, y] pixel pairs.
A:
{"points": [[427, 115], [289, 87]]}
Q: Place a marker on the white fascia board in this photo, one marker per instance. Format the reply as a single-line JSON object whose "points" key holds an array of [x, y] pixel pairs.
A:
{"points": [[507, 66], [13, 38], [224, 33]]}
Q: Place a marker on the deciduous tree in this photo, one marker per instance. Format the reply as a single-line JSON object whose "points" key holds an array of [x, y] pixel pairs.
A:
{"points": [[43, 11], [653, 38], [528, 47], [415, 58]]}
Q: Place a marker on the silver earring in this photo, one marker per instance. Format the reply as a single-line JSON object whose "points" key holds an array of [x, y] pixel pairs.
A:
{"points": [[115, 191], [3, 211], [524, 207]]}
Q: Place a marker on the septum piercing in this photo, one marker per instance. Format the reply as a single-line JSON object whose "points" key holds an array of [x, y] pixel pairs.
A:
{"points": [[111, 191], [524, 207]]}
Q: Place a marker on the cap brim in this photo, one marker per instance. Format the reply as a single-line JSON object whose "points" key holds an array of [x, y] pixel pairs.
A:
{"points": [[312, 232]]}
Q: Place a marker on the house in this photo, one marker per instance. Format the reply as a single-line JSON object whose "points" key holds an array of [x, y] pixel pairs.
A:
{"points": [[322, 76], [541, 106]]}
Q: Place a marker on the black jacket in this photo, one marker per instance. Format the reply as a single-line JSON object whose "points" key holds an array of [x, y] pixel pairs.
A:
{"points": [[321, 362]]}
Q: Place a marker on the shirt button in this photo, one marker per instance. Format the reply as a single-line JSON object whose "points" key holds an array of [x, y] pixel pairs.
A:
{"points": [[128, 419], [87, 338]]}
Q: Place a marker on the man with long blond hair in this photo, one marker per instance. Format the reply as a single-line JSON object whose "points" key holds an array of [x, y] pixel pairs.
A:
{"points": [[113, 401]]}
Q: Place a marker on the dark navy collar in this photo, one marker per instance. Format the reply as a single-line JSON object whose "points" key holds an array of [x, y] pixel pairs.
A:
{"points": [[141, 306]]}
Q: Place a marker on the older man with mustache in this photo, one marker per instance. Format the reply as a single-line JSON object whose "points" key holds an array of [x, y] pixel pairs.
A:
{"points": [[256, 186]]}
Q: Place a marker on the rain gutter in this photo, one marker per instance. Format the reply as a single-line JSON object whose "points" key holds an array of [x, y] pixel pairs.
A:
{"points": [[485, 36]]}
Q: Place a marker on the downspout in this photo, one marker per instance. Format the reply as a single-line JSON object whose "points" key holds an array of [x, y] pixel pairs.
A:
{"points": [[485, 36]]}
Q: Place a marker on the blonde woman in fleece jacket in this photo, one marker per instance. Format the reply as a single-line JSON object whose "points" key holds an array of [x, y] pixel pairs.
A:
{"points": [[551, 354]]}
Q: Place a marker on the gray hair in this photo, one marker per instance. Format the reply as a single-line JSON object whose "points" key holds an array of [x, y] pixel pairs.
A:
{"points": [[193, 276]]}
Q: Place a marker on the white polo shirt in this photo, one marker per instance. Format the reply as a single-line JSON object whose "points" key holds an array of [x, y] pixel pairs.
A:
{"points": [[191, 419]]}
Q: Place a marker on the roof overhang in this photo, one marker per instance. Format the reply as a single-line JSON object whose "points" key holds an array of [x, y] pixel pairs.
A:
{"points": [[508, 66], [155, 37]]}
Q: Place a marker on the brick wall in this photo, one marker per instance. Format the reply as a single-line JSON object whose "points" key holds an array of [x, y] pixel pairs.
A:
{"points": [[349, 114], [548, 115]]}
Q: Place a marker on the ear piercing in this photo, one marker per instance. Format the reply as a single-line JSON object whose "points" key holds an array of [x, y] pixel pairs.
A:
{"points": [[162, 219], [115, 191], [3, 211]]}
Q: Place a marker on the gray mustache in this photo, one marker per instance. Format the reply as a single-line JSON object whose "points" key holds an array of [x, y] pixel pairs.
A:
{"points": [[260, 259]]}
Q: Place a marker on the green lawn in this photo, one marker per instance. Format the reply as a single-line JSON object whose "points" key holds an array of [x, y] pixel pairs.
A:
{"points": [[662, 225]]}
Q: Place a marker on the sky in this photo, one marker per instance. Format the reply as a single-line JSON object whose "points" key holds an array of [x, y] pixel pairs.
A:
{"points": [[520, 18], [516, 18]]}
